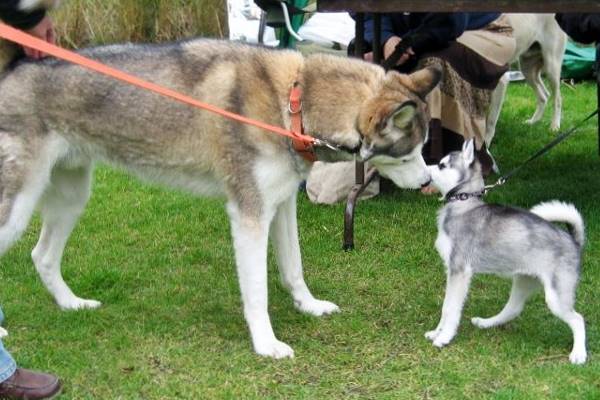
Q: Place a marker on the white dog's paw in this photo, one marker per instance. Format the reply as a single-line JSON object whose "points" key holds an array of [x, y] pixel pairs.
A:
{"points": [[532, 121], [578, 357], [3, 333], [482, 323], [274, 349], [316, 307], [77, 303], [431, 335]]}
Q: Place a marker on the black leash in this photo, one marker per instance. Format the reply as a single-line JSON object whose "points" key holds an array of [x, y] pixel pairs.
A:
{"points": [[502, 180]]}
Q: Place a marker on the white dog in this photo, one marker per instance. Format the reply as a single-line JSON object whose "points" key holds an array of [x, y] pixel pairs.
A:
{"points": [[540, 48]]}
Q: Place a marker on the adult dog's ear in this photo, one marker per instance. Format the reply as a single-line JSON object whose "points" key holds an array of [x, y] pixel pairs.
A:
{"points": [[425, 80], [404, 115], [468, 151]]}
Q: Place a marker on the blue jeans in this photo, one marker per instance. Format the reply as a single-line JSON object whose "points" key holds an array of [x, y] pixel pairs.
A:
{"points": [[7, 364]]}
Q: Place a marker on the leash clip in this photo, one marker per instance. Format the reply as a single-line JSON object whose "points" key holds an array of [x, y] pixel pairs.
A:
{"points": [[501, 181], [324, 143]]}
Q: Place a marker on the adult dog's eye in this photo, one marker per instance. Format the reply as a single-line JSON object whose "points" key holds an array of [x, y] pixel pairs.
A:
{"points": [[441, 166]]}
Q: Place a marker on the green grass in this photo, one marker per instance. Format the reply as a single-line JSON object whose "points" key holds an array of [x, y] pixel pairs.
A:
{"points": [[81, 23], [171, 324]]}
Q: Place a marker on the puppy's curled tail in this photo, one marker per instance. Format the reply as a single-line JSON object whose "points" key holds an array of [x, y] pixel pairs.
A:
{"points": [[557, 211]]}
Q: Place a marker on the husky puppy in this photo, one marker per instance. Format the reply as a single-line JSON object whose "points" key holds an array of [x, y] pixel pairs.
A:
{"points": [[474, 237], [57, 120]]}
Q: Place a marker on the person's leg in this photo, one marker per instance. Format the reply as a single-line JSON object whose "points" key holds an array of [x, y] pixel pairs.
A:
{"points": [[8, 366], [7, 363], [19, 383]]}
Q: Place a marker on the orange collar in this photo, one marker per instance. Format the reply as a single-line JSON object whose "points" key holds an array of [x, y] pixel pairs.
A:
{"points": [[305, 149]]}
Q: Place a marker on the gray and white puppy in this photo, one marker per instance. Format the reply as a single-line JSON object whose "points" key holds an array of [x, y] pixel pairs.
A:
{"points": [[475, 237]]}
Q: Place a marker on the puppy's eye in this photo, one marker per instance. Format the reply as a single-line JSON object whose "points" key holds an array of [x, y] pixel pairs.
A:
{"points": [[441, 166]]}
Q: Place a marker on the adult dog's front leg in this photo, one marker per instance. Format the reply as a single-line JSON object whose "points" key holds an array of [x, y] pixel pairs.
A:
{"points": [[250, 236], [457, 288], [284, 233]]}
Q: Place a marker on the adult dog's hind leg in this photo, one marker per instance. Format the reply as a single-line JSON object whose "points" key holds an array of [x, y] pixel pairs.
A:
{"points": [[61, 206], [522, 288], [284, 233], [250, 232]]}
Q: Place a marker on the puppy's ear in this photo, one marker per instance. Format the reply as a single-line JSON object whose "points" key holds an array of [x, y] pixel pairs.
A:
{"points": [[425, 80], [404, 115], [468, 151]]}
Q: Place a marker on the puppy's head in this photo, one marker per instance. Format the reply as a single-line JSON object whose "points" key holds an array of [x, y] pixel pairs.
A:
{"points": [[393, 125], [459, 168]]}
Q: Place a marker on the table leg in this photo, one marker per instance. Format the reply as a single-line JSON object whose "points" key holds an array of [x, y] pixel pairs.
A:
{"points": [[360, 182]]}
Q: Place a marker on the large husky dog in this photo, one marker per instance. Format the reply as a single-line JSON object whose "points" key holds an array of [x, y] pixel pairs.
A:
{"points": [[57, 119], [474, 237]]}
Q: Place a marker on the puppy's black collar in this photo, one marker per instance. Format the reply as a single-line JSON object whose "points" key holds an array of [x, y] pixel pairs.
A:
{"points": [[463, 196]]}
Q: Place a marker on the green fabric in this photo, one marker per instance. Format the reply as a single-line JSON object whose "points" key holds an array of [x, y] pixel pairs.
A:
{"points": [[578, 62], [285, 39]]}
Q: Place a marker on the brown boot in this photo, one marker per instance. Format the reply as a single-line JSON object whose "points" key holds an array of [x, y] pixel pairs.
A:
{"points": [[29, 385]]}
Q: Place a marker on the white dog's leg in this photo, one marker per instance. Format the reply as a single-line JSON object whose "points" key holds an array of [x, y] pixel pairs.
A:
{"points": [[3, 333], [553, 58], [61, 206], [522, 288], [534, 78], [284, 233], [457, 288], [495, 107], [560, 302], [250, 239]]}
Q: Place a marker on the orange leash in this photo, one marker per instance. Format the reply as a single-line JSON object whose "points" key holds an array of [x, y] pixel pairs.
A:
{"points": [[19, 37]]}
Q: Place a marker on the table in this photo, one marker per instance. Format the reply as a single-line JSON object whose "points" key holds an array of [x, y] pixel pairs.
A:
{"points": [[513, 6], [382, 6]]}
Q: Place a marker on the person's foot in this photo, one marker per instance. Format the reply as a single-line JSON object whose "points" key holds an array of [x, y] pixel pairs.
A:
{"points": [[30, 385]]}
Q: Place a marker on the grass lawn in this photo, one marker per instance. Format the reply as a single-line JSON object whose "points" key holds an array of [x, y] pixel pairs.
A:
{"points": [[171, 324]]}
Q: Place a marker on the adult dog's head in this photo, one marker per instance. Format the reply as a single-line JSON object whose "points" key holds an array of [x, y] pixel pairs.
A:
{"points": [[363, 110], [394, 124]]}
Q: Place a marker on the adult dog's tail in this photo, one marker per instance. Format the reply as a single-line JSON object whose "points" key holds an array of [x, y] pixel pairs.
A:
{"points": [[557, 211]]}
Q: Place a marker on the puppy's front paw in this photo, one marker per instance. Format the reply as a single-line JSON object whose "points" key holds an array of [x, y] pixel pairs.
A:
{"points": [[431, 335], [3, 333]]}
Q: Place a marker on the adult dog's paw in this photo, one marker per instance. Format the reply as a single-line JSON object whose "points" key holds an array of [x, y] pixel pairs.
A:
{"points": [[578, 357], [442, 340], [3, 333], [274, 349], [316, 307], [482, 323], [77, 303]]}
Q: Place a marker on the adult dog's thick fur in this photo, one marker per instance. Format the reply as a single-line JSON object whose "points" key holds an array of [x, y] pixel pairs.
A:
{"points": [[57, 119]]}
